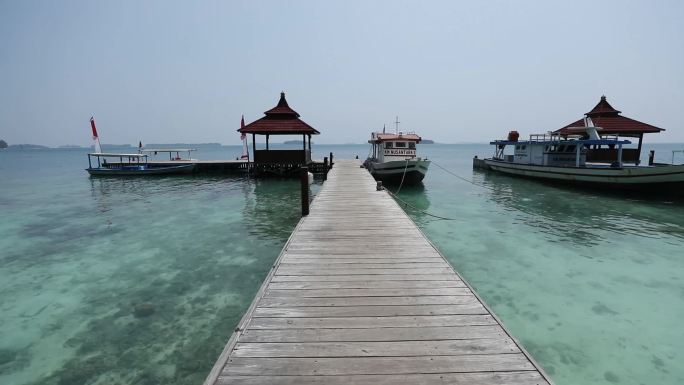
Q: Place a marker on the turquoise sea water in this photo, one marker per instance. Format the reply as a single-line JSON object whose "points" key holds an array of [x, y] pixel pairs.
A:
{"points": [[141, 281]]}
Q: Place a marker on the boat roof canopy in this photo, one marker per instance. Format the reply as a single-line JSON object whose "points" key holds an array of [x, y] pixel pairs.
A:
{"points": [[571, 141], [169, 150], [113, 154], [378, 137]]}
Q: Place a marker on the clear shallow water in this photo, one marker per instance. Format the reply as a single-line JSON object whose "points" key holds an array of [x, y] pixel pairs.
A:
{"points": [[590, 283], [80, 255], [141, 281]]}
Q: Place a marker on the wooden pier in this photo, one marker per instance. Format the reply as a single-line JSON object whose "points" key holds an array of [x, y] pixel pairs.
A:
{"points": [[360, 296]]}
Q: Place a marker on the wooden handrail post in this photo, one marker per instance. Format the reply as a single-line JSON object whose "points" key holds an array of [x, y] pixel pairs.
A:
{"points": [[331, 159], [304, 181]]}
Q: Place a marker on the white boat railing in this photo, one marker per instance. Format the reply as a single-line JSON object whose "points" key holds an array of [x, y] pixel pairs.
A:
{"points": [[548, 137], [554, 137]]}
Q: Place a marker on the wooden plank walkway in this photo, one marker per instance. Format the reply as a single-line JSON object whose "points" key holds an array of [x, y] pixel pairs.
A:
{"points": [[360, 296]]}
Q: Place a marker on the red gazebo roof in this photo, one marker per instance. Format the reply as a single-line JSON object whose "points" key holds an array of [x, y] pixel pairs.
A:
{"points": [[279, 120], [605, 116]]}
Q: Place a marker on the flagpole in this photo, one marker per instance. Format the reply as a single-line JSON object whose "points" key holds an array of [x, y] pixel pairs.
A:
{"points": [[96, 138], [245, 145]]}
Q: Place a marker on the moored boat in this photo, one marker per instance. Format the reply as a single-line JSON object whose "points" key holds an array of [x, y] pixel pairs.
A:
{"points": [[131, 164], [591, 151], [564, 159], [393, 158]]}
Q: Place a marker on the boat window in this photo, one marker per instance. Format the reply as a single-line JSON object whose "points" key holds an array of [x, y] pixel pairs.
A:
{"points": [[388, 145], [517, 147], [524, 146], [561, 148], [400, 144], [412, 145], [571, 148], [546, 148]]}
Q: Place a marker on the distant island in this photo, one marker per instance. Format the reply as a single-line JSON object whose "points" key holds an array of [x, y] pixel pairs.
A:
{"points": [[3, 144], [115, 146], [294, 142], [27, 146], [70, 146], [427, 141], [181, 145]]}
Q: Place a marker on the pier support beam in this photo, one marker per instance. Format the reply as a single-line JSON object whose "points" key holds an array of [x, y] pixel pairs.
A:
{"points": [[304, 181]]}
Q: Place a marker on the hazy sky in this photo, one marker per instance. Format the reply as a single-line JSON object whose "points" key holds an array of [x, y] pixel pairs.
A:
{"points": [[454, 71]]}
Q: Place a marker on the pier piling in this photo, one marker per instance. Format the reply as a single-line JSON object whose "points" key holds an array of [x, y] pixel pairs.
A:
{"points": [[304, 182]]}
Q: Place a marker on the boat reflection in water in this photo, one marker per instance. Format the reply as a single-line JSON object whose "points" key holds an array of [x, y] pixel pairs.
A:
{"points": [[577, 215]]}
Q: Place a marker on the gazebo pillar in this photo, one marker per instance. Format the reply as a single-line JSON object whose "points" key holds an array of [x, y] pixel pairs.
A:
{"points": [[638, 157], [267, 135]]}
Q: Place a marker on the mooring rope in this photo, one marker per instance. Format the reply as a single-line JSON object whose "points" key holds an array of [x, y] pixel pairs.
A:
{"points": [[402, 177], [462, 178], [394, 195], [417, 209]]}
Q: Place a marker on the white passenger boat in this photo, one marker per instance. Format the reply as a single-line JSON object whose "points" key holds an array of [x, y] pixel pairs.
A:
{"points": [[393, 158], [119, 164], [563, 158]]}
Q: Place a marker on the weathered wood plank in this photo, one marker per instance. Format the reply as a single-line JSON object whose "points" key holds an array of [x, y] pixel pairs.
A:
{"points": [[428, 333], [482, 378], [364, 265], [364, 277], [377, 349], [367, 292], [389, 260], [367, 311], [352, 271], [376, 365], [372, 322], [325, 257], [366, 285], [367, 301]]}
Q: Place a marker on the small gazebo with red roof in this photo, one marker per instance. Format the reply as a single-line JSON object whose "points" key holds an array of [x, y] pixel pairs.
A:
{"points": [[610, 121], [280, 120]]}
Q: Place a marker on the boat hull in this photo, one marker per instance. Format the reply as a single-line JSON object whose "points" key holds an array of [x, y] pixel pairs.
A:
{"points": [[393, 172], [640, 177], [133, 171]]}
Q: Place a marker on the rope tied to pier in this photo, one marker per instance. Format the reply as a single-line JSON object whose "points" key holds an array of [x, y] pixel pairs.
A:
{"points": [[462, 178], [402, 177], [418, 209]]}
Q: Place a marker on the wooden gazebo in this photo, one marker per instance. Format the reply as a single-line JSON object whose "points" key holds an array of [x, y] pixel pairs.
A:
{"points": [[280, 120], [612, 123]]}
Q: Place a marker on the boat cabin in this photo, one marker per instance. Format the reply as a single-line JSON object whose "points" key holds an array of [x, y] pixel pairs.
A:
{"points": [[552, 149], [390, 147]]}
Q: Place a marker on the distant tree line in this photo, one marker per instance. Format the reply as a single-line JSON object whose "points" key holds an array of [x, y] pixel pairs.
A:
{"points": [[3, 144]]}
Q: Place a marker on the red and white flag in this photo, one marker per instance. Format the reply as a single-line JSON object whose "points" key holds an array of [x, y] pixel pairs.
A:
{"points": [[242, 125], [96, 138], [243, 136]]}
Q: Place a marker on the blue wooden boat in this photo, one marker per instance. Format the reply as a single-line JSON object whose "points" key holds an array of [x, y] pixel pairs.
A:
{"points": [[101, 164]]}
